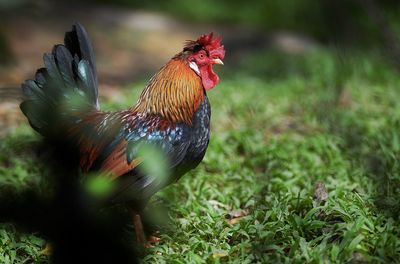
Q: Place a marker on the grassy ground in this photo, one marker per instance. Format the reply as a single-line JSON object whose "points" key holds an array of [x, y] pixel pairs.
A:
{"points": [[280, 125]]}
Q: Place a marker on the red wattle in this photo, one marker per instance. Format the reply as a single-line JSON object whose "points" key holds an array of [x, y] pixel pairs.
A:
{"points": [[208, 77]]}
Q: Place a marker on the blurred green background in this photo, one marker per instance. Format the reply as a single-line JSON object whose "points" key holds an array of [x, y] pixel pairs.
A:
{"points": [[309, 93]]}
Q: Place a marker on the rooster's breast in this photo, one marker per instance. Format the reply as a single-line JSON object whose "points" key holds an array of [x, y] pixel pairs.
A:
{"points": [[199, 137]]}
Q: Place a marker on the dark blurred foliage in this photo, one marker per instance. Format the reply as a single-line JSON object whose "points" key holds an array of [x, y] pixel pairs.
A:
{"points": [[326, 20], [345, 21], [369, 24], [71, 220]]}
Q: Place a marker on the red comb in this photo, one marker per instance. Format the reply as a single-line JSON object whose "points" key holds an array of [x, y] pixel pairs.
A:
{"points": [[212, 45]]}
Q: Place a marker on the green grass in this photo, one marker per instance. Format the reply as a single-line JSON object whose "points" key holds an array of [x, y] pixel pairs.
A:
{"points": [[278, 129]]}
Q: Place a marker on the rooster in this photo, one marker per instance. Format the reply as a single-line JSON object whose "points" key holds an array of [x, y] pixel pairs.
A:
{"points": [[172, 114]]}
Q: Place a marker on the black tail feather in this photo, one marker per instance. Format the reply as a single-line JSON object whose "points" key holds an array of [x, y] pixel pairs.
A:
{"points": [[77, 41], [64, 61], [69, 75]]}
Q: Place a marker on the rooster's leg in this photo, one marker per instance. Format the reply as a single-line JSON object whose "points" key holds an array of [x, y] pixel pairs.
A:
{"points": [[140, 236]]}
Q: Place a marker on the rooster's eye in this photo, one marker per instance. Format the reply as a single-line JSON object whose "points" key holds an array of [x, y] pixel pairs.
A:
{"points": [[201, 56]]}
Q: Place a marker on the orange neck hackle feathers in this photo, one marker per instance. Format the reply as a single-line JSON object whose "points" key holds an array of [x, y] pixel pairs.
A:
{"points": [[174, 93], [179, 88]]}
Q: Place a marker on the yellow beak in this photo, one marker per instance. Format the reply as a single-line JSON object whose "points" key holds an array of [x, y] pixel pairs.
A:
{"points": [[218, 61]]}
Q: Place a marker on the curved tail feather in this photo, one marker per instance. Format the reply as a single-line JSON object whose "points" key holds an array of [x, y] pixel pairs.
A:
{"points": [[65, 87]]}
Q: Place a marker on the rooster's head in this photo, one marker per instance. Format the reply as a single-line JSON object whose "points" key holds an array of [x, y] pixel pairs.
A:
{"points": [[201, 55]]}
